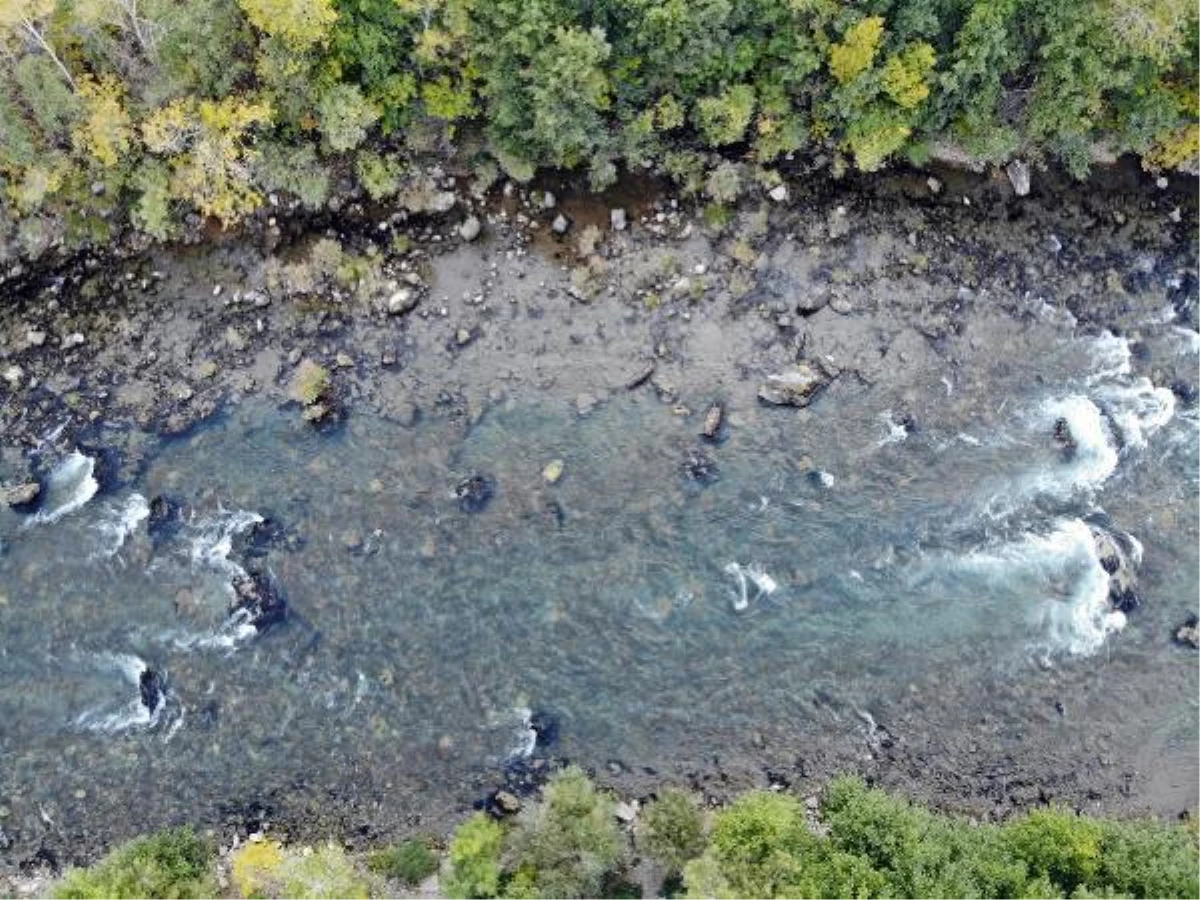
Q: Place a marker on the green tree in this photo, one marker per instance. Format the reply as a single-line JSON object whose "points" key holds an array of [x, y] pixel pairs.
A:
{"points": [[472, 867]]}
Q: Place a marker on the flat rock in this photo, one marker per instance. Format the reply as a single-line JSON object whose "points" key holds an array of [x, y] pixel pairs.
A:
{"points": [[796, 387], [1018, 175], [19, 494], [402, 301]]}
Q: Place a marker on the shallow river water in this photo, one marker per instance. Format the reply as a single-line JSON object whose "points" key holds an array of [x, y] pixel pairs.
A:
{"points": [[840, 570]]}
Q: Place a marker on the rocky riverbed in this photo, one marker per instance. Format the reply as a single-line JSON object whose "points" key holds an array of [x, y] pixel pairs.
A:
{"points": [[796, 328]]}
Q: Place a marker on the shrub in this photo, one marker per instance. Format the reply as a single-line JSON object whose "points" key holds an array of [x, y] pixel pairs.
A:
{"points": [[672, 830], [1057, 844], [410, 861], [310, 383], [570, 841], [170, 864], [472, 867], [255, 866]]}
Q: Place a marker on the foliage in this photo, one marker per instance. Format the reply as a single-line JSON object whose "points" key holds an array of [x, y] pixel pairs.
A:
{"points": [[569, 842], [172, 863], [411, 862], [671, 830], [205, 106], [472, 867], [267, 869], [310, 383]]}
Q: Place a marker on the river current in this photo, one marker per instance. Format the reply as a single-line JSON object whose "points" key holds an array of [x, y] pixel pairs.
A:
{"points": [[932, 553]]}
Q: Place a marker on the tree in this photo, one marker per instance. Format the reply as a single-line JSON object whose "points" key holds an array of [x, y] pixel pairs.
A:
{"points": [[298, 23]]}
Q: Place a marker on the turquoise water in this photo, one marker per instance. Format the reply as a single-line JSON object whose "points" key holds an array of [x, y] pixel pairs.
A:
{"points": [[926, 578]]}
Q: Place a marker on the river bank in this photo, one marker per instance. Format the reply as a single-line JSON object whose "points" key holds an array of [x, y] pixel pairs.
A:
{"points": [[903, 289]]}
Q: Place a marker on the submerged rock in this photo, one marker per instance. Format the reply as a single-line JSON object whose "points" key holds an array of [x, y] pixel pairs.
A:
{"points": [[797, 387], [699, 466], [545, 728], [474, 493], [166, 515]]}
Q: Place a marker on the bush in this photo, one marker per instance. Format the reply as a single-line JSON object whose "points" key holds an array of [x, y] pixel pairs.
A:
{"points": [[672, 830], [472, 867], [1059, 845], [570, 841], [266, 869], [170, 864], [410, 862]]}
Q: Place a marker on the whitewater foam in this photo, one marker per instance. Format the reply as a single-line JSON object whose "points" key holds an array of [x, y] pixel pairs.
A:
{"points": [[1111, 357], [71, 484], [764, 584], [133, 714], [1062, 572], [1138, 409], [117, 523], [1094, 457]]}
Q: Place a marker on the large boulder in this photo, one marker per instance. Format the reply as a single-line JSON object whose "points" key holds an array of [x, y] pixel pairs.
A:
{"points": [[1119, 559]]}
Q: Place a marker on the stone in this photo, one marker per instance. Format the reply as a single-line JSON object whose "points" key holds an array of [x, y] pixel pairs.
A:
{"points": [[618, 219], [713, 419], [698, 466], [639, 377], [20, 494], [35, 337], [934, 185], [553, 471], [841, 306], [585, 403], [470, 228], [258, 601], [74, 339], [463, 336], [506, 803], [474, 493], [626, 812], [343, 360], [1117, 559], [561, 224], [235, 339], [352, 540], [1018, 176], [779, 193], [1188, 633], [14, 375], [797, 387], [549, 201], [402, 301], [151, 690]]}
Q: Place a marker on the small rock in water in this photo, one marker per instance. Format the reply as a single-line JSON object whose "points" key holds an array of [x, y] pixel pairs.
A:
{"points": [[618, 219], [699, 467], [798, 387], [585, 403], [470, 228], [17, 495], [561, 224], [553, 471], [934, 185], [1117, 559], [639, 377], [549, 201], [35, 337], [545, 728], [713, 420], [258, 600], [151, 689], [1188, 633], [474, 493], [779, 193]]}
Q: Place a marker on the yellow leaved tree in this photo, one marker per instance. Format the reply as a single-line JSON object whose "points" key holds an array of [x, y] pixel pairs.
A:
{"points": [[208, 146]]}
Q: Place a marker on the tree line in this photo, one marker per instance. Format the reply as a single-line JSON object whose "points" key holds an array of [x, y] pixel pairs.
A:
{"points": [[144, 112]]}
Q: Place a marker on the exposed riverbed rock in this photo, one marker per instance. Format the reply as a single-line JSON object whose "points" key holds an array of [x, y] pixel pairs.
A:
{"points": [[1119, 559], [795, 387], [258, 601], [18, 495], [470, 229]]}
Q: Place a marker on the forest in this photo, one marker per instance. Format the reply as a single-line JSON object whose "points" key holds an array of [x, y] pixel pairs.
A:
{"points": [[157, 113]]}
